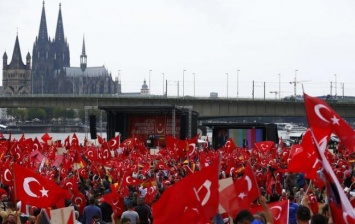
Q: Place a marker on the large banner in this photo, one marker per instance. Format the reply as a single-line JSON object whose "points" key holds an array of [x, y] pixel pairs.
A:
{"points": [[145, 126]]}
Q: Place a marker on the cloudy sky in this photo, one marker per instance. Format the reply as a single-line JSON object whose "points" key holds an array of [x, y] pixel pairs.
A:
{"points": [[266, 40]]}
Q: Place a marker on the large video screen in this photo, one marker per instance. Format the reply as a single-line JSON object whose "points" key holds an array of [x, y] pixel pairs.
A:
{"points": [[143, 126], [242, 137]]}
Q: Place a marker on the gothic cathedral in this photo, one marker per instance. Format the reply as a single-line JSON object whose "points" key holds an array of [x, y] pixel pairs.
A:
{"points": [[51, 72]]}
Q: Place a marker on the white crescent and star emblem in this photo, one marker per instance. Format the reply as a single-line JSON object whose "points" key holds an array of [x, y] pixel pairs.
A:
{"points": [[7, 171], [263, 146], [26, 186], [78, 200], [161, 130], [127, 180], [91, 153], [318, 113], [69, 185], [250, 185], [279, 213], [115, 203], [113, 143], [193, 148], [28, 190]]}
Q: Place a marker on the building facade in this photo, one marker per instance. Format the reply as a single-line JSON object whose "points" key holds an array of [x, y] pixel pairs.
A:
{"points": [[16, 76]]}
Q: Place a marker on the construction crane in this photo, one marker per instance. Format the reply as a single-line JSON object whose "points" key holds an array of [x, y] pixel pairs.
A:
{"points": [[294, 82], [275, 92]]}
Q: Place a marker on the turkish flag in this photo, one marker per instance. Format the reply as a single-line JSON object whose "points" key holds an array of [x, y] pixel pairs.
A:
{"points": [[279, 211], [128, 180], [229, 146], [114, 143], [195, 198], [240, 194], [339, 203], [67, 142], [162, 166], [304, 158], [33, 189], [264, 146], [46, 137], [321, 116], [74, 140], [116, 202], [6, 174], [152, 191], [79, 200], [70, 183]]}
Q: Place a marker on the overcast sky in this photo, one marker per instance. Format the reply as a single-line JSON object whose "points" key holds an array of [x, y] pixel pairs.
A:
{"points": [[260, 38]]}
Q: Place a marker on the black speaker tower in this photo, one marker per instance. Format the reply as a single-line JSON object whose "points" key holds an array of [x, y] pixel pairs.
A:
{"points": [[93, 132]]}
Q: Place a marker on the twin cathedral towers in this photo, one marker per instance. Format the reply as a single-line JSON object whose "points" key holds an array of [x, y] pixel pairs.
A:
{"points": [[50, 72]]}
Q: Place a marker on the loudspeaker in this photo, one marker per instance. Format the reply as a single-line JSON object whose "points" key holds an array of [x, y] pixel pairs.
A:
{"points": [[93, 132], [271, 133]]}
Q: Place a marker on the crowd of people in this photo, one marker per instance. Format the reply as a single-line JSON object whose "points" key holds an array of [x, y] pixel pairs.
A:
{"points": [[154, 173]]}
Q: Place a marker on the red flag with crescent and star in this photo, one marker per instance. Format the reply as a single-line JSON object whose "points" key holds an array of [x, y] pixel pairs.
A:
{"points": [[114, 143], [195, 198], [279, 211], [240, 194], [33, 189], [321, 116]]}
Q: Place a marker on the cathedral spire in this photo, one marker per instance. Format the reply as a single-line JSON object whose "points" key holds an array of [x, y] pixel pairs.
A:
{"points": [[43, 33], [83, 49], [16, 61], [59, 33], [83, 57]]}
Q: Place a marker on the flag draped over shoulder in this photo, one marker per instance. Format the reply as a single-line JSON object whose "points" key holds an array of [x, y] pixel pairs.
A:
{"points": [[194, 199], [36, 190]]}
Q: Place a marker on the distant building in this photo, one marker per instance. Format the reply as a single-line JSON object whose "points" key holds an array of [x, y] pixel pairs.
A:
{"points": [[51, 70], [145, 89], [16, 76]]}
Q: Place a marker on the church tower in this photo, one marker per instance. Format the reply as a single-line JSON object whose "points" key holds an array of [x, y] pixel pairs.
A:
{"points": [[83, 58], [48, 56], [60, 47], [42, 63], [16, 77]]}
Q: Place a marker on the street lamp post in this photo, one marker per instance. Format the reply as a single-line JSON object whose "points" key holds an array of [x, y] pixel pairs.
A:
{"points": [[149, 81], [295, 84], [227, 84], [42, 84], [279, 86], [336, 84], [238, 83], [183, 83], [163, 83], [194, 84]]}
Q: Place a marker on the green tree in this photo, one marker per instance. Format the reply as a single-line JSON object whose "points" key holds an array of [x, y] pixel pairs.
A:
{"points": [[39, 113]]}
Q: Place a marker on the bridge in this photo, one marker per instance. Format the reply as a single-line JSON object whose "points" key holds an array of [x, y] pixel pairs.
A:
{"points": [[207, 107]]}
